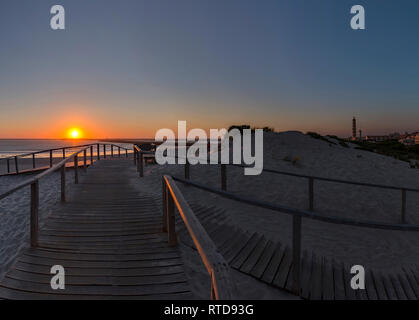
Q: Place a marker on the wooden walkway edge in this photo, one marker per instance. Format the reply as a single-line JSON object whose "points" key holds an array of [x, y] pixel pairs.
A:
{"points": [[271, 262]]}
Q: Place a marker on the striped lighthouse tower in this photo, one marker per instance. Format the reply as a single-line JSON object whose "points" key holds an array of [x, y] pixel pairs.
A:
{"points": [[354, 128]]}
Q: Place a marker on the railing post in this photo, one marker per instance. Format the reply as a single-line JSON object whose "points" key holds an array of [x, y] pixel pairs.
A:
{"points": [[33, 160], [16, 165], [98, 151], [171, 222], [119, 152], [50, 158], [140, 164], [311, 193], [76, 169], [104, 151], [224, 177], [164, 206], [403, 217], [34, 213], [296, 253], [187, 169], [63, 197], [126, 153], [63, 153], [85, 160], [135, 155], [112, 150], [8, 165], [91, 155]]}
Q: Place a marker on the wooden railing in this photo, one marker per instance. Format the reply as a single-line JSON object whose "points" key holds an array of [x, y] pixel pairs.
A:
{"points": [[139, 159], [34, 185], [310, 185], [50, 154], [221, 284], [310, 181], [297, 216]]}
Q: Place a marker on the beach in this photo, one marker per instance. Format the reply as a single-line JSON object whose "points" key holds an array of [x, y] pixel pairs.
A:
{"points": [[386, 251]]}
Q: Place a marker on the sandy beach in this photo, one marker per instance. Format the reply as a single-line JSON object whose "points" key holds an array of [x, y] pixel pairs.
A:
{"points": [[387, 251]]}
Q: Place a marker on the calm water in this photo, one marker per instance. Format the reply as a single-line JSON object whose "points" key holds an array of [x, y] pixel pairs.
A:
{"points": [[14, 147]]}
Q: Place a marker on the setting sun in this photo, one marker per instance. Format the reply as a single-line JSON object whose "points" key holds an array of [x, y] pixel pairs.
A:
{"points": [[74, 133]]}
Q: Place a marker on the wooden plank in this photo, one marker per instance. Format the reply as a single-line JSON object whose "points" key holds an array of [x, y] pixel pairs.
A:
{"points": [[153, 289], [379, 285], [24, 295], [347, 276], [327, 280], [254, 257], [230, 252], [100, 280], [270, 271], [245, 252], [284, 268], [107, 272], [400, 292], [370, 285], [262, 264], [96, 257], [306, 269], [146, 262], [390, 290], [338, 280], [414, 284], [316, 279]]}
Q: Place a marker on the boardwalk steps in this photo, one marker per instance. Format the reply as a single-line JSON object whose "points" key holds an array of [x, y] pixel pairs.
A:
{"points": [[108, 238], [270, 262]]}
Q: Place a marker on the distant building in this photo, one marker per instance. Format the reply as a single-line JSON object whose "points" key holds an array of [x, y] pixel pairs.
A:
{"points": [[377, 138], [409, 139]]}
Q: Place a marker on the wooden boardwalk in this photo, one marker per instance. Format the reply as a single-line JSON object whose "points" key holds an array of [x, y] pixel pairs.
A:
{"points": [[271, 262], [108, 238]]}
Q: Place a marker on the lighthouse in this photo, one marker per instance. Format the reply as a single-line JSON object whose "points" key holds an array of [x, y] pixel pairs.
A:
{"points": [[354, 128]]}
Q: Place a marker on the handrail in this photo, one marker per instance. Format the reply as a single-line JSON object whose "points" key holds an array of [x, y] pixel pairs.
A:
{"points": [[63, 149], [34, 183], [300, 212], [221, 283], [297, 216], [139, 159], [364, 184], [41, 175], [311, 180]]}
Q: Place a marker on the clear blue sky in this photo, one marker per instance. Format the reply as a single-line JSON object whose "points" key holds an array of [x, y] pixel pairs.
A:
{"points": [[127, 68]]}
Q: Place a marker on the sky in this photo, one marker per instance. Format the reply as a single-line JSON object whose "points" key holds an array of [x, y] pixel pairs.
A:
{"points": [[124, 69]]}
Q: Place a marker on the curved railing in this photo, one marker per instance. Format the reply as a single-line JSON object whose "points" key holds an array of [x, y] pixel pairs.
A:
{"points": [[221, 284], [297, 216], [138, 154], [50, 153]]}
